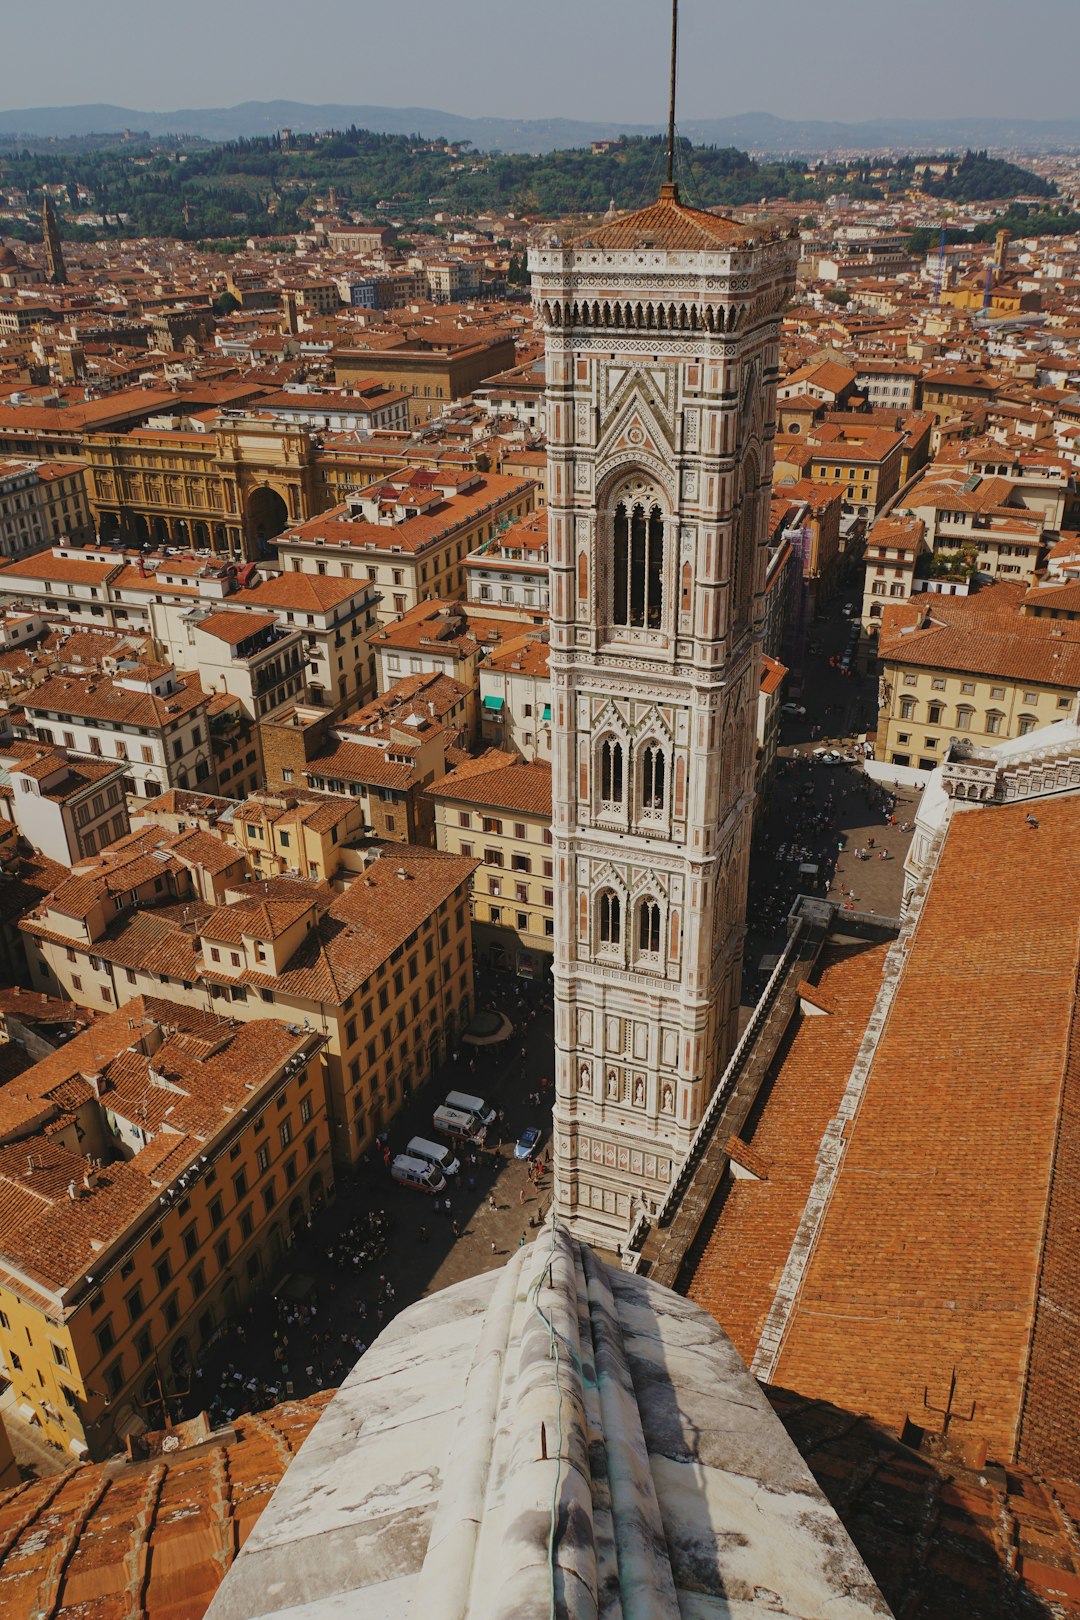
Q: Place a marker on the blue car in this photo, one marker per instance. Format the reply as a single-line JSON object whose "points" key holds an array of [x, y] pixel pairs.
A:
{"points": [[527, 1143]]}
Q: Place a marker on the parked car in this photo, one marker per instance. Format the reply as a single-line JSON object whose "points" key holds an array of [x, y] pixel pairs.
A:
{"points": [[792, 709], [527, 1143], [828, 756]]}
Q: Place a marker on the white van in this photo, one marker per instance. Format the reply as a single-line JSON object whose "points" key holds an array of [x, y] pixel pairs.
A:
{"points": [[465, 1104], [418, 1173], [433, 1153], [455, 1123]]}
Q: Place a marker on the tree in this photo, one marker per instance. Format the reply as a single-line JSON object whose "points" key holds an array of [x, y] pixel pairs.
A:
{"points": [[226, 303]]}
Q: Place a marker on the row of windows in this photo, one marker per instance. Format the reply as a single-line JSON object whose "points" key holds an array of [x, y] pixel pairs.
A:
{"points": [[965, 717]]}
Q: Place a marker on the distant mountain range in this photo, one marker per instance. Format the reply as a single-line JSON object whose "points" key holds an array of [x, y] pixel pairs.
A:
{"points": [[758, 132]]}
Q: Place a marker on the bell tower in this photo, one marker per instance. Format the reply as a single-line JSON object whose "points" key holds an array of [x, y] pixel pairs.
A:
{"points": [[662, 353], [54, 253]]}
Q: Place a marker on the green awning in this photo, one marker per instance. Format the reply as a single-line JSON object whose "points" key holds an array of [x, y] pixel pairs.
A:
{"points": [[547, 712], [494, 703]]}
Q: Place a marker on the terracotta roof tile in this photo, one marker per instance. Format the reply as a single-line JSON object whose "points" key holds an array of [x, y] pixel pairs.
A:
{"points": [[72, 1545]]}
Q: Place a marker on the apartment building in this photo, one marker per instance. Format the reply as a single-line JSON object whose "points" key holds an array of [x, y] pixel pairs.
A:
{"points": [[862, 463], [970, 667], [515, 697], [432, 365], [298, 833], [966, 512], [251, 657], [497, 810], [153, 1169], [147, 716], [889, 384], [383, 971], [235, 746], [42, 503], [408, 534], [893, 548], [64, 806], [511, 570]]}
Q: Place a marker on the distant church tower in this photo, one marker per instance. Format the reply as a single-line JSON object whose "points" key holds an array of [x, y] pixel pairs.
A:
{"points": [[662, 352], [54, 253]]}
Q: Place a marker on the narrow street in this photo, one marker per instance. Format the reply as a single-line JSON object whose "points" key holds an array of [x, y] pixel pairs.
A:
{"points": [[819, 815]]}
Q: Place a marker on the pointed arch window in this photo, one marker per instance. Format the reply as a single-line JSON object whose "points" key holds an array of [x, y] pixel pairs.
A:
{"points": [[648, 929], [638, 565], [610, 918], [612, 774], [653, 780]]}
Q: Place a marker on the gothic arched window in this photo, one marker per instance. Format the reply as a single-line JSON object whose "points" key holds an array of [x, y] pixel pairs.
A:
{"points": [[611, 773], [610, 918], [649, 928], [638, 565], [653, 779]]}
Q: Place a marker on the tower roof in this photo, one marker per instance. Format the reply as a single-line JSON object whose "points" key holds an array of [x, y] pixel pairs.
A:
{"points": [[668, 224]]}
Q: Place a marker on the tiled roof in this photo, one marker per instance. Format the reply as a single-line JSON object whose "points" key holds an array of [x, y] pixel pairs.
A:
{"points": [[81, 1544], [669, 225], [211, 1065], [235, 627], [944, 1538], [734, 1268], [984, 634], [311, 593], [102, 699], [948, 1243], [499, 782]]}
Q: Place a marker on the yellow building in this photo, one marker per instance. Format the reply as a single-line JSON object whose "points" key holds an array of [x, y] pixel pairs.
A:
{"points": [[153, 1170], [432, 366], [382, 971], [970, 667], [497, 810], [303, 833], [230, 490]]}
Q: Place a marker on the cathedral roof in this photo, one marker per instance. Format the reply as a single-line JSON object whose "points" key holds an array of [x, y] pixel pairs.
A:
{"points": [[668, 224], [555, 1436]]}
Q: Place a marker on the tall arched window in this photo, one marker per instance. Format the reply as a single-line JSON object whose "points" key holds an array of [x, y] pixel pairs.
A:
{"points": [[653, 779], [649, 928], [638, 565], [610, 918], [743, 547], [611, 773]]}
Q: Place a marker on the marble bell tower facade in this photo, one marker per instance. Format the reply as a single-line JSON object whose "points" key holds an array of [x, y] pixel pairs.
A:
{"points": [[662, 352]]}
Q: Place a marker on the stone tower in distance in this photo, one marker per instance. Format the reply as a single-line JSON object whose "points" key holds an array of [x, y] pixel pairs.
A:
{"points": [[54, 253], [662, 350]]}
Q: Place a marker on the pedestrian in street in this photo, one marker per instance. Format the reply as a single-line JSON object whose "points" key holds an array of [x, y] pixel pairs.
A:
{"points": [[493, 1245]]}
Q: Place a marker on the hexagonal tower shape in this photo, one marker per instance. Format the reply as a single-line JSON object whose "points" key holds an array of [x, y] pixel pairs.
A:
{"points": [[662, 349]]}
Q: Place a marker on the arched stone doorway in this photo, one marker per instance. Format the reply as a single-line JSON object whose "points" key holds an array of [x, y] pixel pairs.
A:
{"points": [[267, 515]]}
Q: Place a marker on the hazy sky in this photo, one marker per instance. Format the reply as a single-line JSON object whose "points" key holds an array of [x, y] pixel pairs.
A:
{"points": [[603, 59]]}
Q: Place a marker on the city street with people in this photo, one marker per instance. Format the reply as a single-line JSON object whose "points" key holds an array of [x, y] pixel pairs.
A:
{"points": [[378, 1246], [826, 828]]}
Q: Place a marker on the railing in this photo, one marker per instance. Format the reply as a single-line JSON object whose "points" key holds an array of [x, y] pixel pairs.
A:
{"points": [[729, 1076]]}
